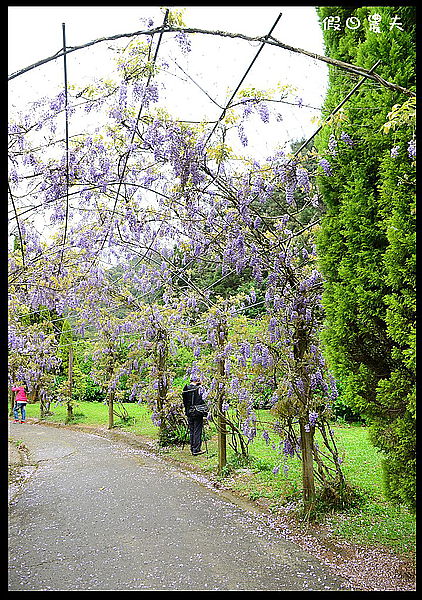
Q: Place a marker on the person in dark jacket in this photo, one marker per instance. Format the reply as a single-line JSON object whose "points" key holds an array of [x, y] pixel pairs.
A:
{"points": [[192, 395]]}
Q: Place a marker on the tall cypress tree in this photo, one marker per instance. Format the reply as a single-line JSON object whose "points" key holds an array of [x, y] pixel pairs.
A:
{"points": [[367, 238]]}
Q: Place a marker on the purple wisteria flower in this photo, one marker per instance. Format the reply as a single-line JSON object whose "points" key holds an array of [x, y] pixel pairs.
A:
{"points": [[248, 428], [325, 166], [146, 93], [194, 371], [147, 22], [247, 108], [317, 381], [313, 416], [303, 179], [242, 135], [290, 194], [274, 399], [58, 102], [263, 112], [244, 354], [333, 388], [183, 41], [332, 145], [346, 138], [394, 151], [411, 149], [288, 448], [257, 222], [278, 302], [261, 356]]}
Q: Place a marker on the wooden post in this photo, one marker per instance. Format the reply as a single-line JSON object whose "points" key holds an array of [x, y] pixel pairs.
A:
{"points": [[306, 432], [221, 439], [306, 443], [111, 409], [163, 384], [12, 402], [161, 364], [221, 419], [12, 394], [70, 385], [110, 395]]}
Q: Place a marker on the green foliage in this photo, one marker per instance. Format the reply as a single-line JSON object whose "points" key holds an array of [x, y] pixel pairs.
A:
{"points": [[180, 361], [342, 410], [176, 435], [174, 17], [220, 153], [65, 342], [367, 239], [401, 114], [91, 392]]}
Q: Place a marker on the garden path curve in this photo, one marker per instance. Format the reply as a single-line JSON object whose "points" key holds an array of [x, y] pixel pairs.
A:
{"points": [[96, 514]]}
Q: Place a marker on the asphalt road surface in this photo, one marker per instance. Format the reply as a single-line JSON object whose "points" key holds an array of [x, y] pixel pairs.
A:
{"points": [[96, 514]]}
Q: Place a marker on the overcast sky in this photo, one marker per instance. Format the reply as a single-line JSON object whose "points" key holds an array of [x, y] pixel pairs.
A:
{"points": [[35, 32]]}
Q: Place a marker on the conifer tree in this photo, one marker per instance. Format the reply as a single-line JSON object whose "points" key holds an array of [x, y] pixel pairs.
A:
{"points": [[367, 238]]}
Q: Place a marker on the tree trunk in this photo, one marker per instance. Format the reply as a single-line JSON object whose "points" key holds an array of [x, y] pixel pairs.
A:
{"points": [[306, 444], [306, 432], [43, 410]]}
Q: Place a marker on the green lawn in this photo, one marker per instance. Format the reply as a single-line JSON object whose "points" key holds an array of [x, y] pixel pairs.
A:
{"points": [[96, 413], [375, 521]]}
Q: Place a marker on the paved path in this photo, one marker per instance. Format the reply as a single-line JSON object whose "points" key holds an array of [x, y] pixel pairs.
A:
{"points": [[100, 515]]}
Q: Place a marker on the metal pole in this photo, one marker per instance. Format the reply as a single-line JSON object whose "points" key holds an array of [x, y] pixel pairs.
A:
{"points": [[67, 144], [243, 79]]}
